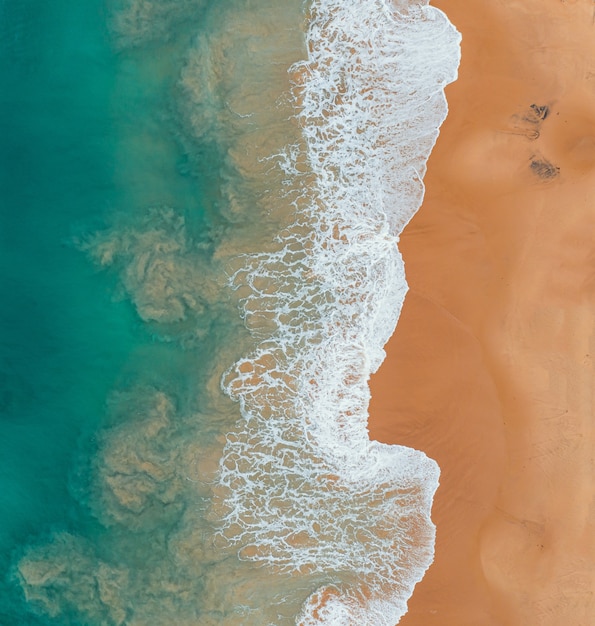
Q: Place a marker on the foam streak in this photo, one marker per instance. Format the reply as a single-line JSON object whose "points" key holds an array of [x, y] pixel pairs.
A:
{"points": [[303, 489]]}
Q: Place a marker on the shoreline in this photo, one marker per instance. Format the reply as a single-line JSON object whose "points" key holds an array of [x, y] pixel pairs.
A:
{"points": [[490, 369]]}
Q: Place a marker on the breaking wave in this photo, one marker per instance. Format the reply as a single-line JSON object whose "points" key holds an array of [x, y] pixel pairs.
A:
{"points": [[301, 487]]}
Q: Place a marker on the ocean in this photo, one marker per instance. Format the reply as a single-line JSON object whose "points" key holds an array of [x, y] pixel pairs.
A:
{"points": [[200, 206]]}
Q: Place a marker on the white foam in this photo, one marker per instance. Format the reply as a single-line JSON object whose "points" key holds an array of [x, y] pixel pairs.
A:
{"points": [[303, 489]]}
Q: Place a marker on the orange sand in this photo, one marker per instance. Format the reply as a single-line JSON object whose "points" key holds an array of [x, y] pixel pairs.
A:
{"points": [[491, 369]]}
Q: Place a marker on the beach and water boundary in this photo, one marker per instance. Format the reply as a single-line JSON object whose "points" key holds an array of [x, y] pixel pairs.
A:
{"points": [[277, 508], [490, 369]]}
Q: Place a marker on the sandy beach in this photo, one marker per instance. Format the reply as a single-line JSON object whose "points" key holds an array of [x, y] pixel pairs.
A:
{"points": [[490, 371]]}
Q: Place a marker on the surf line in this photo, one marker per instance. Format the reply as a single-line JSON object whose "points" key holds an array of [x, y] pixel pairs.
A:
{"points": [[301, 488]]}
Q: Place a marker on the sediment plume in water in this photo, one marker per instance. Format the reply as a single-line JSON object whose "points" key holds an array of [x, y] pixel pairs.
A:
{"points": [[287, 513]]}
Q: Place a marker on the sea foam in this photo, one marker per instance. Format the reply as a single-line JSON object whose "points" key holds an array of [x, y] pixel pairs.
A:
{"points": [[328, 152], [301, 488]]}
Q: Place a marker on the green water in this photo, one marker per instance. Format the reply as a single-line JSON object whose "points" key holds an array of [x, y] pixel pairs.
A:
{"points": [[62, 341], [135, 137], [88, 126], [150, 156]]}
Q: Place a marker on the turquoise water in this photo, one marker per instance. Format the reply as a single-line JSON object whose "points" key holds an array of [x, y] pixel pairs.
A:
{"points": [[88, 137], [187, 217], [62, 341], [120, 209]]}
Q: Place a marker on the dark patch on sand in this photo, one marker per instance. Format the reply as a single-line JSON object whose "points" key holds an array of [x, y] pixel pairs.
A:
{"points": [[537, 113], [543, 168]]}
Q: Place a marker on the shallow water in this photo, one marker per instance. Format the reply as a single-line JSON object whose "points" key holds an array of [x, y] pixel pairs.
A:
{"points": [[165, 215]]}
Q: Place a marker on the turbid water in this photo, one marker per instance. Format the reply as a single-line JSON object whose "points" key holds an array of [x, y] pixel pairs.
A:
{"points": [[200, 206]]}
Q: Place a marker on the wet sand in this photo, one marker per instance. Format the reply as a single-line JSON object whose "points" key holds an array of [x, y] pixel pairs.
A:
{"points": [[490, 371]]}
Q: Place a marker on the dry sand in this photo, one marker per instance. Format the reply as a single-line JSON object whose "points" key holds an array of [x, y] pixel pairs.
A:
{"points": [[491, 369]]}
